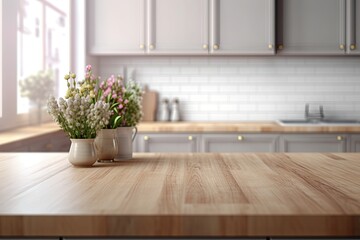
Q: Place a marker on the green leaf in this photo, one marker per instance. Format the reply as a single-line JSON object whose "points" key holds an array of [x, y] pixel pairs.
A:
{"points": [[117, 119]]}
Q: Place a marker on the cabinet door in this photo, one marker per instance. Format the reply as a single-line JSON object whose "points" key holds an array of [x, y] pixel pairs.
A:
{"points": [[353, 27], [242, 27], [168, 143], [311, 26], [313, 143], [178, 26], [355, 143], [239, 143], [116, 26]]}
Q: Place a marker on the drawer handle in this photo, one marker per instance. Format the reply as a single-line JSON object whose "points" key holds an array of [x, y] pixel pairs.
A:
{"points": [[240, 138], [216, 46], [190, 138], [146, 138], [151, 46], [342, 46], [142, 46], [270, 46], [281, 47], [352, 46], [339, 138], [48, 146], [205, 46]]}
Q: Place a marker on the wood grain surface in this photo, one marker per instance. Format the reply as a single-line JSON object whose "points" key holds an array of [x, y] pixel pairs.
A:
{"points": [[252, 194]]}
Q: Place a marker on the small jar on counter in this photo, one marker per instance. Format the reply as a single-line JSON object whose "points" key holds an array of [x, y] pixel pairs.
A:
{"points": [[175, 110], [164, 110]]}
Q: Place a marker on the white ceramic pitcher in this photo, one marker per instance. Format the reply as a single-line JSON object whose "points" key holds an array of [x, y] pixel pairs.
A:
{"points": [[125, 137]]}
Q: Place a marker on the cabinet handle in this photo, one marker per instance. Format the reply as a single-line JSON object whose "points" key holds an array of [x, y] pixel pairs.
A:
{"points": [[216, 46], [190, 138], [142, 46], [146, 138], [352, 46], [270, 46], [151, 46], [205, 46], [339, 138], [48, 146], [281, 47], [342, 46], [240, 138]]}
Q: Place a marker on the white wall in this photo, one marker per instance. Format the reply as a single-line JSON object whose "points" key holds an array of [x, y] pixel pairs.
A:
{"points": [[248, 88]]}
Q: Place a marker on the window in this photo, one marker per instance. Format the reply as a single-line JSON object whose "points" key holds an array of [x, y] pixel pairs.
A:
{"points": [[43, 48], [36, 34]]}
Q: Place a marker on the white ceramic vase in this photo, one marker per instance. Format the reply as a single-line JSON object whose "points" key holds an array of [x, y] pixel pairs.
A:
{"points": [[106, 145], [125, 137], [82, 152]]}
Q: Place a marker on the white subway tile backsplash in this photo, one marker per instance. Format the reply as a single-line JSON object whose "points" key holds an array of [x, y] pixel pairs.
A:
{"points": [[246, 88]]}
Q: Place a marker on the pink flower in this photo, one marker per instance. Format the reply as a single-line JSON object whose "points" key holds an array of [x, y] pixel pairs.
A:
{"points": [[88, 68], [114, 96], [101, 84], [107, 92], [126, 101], [120, 106]]}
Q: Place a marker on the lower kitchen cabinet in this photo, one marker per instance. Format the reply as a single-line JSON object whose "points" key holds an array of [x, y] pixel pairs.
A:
{"points": [[239, 142], [168, 142], [355, 143], [52, 142], [313, 143], [249, 142]]}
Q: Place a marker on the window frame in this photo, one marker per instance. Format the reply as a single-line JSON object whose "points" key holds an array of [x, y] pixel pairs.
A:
{"points": [[9, 117]]}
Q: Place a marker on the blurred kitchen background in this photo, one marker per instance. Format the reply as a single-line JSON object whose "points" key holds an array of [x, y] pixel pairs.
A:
{"points": [[44, 39]]}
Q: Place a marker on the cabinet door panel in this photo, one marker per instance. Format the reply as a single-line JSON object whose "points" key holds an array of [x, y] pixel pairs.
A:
{"points": [[116, 26], [242, 26], [353, 26], [313, 143], [178, 27], [239, 143], [311, 26], [355, 143], [168, 143]]}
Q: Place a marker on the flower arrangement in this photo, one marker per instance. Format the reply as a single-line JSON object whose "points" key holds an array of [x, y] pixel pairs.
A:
{"points": [[133, 111], [112, 91], [81, 114], [124, 100]]}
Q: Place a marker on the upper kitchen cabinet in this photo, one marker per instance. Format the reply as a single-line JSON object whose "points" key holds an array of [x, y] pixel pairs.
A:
{"points": [[242, 27], [178, 26], [311, 27], [116, 26], [353, 27]]}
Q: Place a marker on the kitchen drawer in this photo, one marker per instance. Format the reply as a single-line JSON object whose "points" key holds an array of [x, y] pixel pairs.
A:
{"points": [[168, 142], [239, 142]]}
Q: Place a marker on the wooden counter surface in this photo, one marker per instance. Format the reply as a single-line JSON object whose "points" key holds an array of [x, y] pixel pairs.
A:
{"points": [[243, 127], [252, 194]]}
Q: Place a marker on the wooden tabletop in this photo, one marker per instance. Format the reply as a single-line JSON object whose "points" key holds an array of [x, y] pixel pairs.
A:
{"points": [[203, 194]]}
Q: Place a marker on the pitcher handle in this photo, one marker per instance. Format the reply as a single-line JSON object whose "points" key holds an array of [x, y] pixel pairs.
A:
{"points": [[134, 134]]}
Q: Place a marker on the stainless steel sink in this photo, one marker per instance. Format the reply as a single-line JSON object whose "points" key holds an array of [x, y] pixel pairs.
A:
{"points": [[318, 122]]}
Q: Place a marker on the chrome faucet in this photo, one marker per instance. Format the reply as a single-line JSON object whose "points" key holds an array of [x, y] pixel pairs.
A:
{"points": [[314, 116]]}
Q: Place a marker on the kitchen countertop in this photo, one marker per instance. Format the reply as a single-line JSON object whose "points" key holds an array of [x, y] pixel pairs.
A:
{"points": [[198, 194], [243, 127], [19, 134], [22, 133]]}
